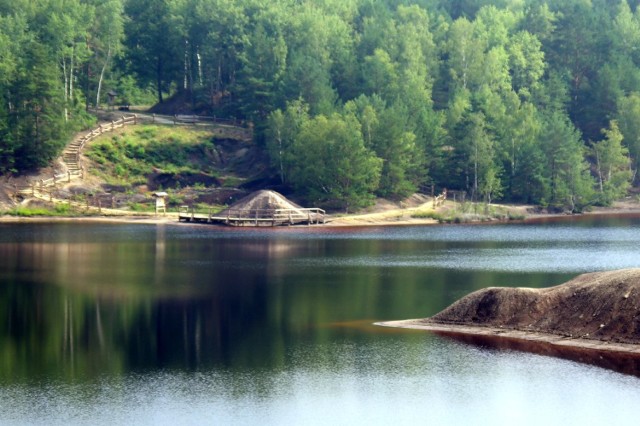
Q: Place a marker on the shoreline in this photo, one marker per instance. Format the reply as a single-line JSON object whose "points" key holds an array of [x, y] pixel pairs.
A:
{"points": [[553, 340], [622, 358], [379, 219]]}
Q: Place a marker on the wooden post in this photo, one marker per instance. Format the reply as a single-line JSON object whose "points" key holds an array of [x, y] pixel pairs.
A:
{"points": [[433, 195], [68, 176], [135, 119]]}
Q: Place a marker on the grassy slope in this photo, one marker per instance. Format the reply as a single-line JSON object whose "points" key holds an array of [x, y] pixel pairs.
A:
{"points": [[129, 158]]}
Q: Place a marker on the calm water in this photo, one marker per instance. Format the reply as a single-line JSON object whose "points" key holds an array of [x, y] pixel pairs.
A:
{"points": [[137, 324]]}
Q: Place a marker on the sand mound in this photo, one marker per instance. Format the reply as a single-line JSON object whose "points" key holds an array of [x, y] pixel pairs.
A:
{"points": [[602, 305], [260, 204]]}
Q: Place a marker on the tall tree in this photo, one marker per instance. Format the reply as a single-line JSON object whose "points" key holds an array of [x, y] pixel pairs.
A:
{"points": [[332, 164], [612, 165], [105, 41], [154, 39], [570, 186], [628, 118], [282, 132]]}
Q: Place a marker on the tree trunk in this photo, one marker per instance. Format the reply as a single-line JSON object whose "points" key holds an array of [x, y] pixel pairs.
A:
{"points": [[73, 50], [102, 71], [475, 174], [159, 80], [66, 92], [601, 185]]}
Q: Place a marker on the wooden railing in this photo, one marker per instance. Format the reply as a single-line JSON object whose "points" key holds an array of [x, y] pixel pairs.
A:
{"points": [[71, 158], [227, 127], [257, 216], [41, 187], [94, 203]]}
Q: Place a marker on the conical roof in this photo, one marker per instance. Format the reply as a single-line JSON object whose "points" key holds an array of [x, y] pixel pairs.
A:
{"points": [[261, 204]]}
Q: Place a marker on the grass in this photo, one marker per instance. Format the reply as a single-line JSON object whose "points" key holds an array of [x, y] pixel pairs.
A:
{"points": [[58, 210], [469, 212], [127, 159]]}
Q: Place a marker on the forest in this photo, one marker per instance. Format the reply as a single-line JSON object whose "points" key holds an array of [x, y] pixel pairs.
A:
{"points": [[521, 100]]}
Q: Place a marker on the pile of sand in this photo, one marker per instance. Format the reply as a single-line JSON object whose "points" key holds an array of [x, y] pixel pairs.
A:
{"points": [[602, 305], [260, 204]]}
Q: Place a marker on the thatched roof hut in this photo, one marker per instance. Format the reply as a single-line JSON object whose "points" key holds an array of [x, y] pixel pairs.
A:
{"points": [[262, 203], [261, 208]]}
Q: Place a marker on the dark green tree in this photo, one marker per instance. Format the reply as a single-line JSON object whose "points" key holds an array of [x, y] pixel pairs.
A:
{"points": [[331, 164]]}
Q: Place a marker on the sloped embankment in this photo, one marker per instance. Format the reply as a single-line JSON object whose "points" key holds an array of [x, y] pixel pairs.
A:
{"points": [[600, 307]]}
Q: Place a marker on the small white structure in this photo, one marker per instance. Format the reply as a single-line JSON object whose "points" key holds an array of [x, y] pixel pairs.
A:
{"points": [[161, 202]]}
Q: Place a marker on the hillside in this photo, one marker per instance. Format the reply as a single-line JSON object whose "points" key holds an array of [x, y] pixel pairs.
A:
{"points": [[594, 311], [203, 164], [526, 102]]}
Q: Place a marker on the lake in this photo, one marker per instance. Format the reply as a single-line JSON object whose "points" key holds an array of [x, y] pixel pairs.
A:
{"points": [[155, 324]]}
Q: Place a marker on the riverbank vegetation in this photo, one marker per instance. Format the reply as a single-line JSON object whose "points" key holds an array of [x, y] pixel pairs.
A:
{"points": [[531, 101], [455, 212], [130, 158]]}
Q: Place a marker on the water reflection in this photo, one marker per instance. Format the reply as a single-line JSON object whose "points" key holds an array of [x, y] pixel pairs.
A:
{"points": [[153, 323], [626, 363]]}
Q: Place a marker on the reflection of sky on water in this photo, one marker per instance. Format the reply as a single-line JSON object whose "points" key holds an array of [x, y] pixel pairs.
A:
{"points": [[443, 382], [452, 233], [579, 258], [207, 325]]}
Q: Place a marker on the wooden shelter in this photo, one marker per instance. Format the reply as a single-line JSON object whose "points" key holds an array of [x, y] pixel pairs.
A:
{"points": [[161, 202], [261, 208]]}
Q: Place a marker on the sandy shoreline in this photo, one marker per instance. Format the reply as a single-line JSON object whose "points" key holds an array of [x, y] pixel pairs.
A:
{"points": [[384, 218], [620, 357], [129, 219], [532, 337]]}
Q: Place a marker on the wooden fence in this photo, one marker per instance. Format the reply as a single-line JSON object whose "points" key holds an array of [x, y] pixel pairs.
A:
{"points": [[256, 217], [76, 147], [85, 203], [71, 158], [233, 128]]}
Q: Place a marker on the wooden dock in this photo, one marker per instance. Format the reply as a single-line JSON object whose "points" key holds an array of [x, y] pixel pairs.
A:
{"points": [[256, 217]]}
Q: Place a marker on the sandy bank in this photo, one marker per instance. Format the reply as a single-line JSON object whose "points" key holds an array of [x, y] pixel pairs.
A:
{"points": [[382, 214], [593, 318], [129, 219], [553, 340]]}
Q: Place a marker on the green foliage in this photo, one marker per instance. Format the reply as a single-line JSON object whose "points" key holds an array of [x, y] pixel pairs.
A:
{"points": [[465, 95], [131, 157], [57, 210], [332, 165], [612, 165], [566, 175]]}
